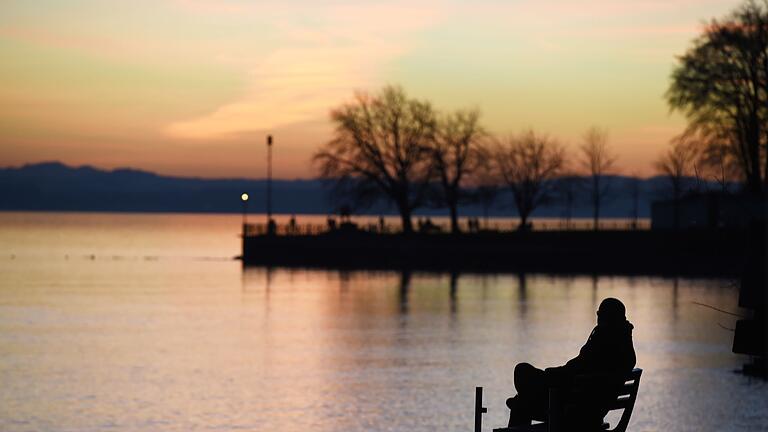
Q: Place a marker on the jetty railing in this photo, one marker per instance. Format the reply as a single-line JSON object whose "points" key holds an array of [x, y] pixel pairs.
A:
{"points": [[309, 229]]}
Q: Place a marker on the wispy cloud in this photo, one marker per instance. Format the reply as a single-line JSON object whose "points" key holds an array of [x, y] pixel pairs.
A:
{"points": [[172, 83], [324, 53]]}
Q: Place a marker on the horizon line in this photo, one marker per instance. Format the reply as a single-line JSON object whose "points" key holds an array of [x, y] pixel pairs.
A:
{"points": [[193, 177]]}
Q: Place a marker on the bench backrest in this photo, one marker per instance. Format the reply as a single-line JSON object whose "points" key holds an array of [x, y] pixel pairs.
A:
{"points": [[581, 396], [626, 399]]}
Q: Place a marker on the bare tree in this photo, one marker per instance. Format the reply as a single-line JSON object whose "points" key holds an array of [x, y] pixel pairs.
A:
{"points": [[455, 157], [675, 164], [528, 164], [597, 160], [721, 85], [381, 148]]}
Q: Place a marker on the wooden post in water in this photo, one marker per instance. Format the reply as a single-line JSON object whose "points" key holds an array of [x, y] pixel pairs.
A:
{"points": [[479, 409]]}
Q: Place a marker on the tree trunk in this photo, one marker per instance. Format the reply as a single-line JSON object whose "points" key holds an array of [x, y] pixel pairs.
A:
{"points": [[754, 185], [765, 177], [405, 217], [676, 214], [524, 205], [595, 202], [755, 182], [523, 220], [596, 213], [676, 208], [454, 217]]}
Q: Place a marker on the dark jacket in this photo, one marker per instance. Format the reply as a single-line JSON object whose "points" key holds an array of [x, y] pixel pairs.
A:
{"points": [[608, 351]]}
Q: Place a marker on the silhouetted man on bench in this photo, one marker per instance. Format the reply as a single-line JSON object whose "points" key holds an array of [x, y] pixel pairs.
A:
{"points": [[608, 352]]}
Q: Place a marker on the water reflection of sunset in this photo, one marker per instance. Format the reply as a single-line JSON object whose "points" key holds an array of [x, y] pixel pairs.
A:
{"points": [[143, 322]]}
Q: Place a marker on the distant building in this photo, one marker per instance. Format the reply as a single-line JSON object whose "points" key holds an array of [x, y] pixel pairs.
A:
{"points": [[710, 210]]}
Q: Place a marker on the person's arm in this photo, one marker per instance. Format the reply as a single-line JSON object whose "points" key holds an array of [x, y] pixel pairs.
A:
{"points": [[561, 375]]}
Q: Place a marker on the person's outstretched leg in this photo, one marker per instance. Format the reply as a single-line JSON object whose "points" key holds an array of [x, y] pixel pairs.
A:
{"points": [[531, 400]]}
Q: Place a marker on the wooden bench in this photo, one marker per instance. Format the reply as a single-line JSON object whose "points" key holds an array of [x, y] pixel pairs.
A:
{"points": [[560, 401]]}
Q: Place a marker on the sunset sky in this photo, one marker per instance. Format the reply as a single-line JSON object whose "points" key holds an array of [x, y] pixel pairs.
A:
{"points": [[192, 87]]}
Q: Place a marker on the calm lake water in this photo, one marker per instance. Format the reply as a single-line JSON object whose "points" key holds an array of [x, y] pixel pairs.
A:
{"points": [[144, 323]]}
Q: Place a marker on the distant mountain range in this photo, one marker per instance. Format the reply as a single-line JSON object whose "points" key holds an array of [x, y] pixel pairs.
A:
{"points": [[53, 186]]}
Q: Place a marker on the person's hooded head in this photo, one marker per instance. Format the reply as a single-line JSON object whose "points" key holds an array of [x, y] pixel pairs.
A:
{"points": [[611, 313]]}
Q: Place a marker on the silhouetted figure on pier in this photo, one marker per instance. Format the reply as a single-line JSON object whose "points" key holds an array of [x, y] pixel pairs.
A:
{"points": [[474, 224], [427, 226], [608, 350]]}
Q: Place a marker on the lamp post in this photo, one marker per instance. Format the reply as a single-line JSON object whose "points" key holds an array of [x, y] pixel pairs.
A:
{"points": [[271, 227], [269, 178], [244, 199]]}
